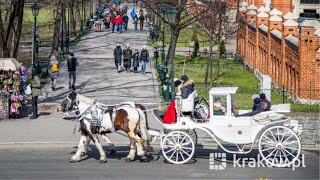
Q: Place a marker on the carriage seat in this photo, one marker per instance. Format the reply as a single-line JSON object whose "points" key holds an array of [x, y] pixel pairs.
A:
{"points": [[267, 116], [187, 104]]}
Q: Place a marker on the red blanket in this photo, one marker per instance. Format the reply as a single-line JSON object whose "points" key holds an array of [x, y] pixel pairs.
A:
{"points": [[170, 116]]}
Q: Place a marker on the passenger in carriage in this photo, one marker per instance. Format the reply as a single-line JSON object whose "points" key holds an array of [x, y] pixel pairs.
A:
{"points": [[266, 103], [257, 107], [187, 87], [218, 109]]}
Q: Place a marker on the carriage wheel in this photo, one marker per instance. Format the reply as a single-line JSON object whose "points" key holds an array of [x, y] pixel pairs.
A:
{"points": [[178, 147], [191, 132], [279, 146]]}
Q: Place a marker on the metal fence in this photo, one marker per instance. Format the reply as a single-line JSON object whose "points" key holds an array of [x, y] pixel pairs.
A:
{"points": [[243, 98]]}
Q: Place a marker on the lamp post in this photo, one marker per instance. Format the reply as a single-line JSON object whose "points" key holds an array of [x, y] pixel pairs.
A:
{"points": [[35, 12], [164, 16], [172, 13]]}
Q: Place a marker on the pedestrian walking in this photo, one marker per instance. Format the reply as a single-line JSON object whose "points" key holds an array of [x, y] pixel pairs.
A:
{"points": [[107, 20], [113, 21], [53, 71], [125, 20], [35, 91], [141, 19], [72, 64], [135, 22], [133, 13], [136, 58], [127, 55], [118, 22], [144, 59], [117, 53]]}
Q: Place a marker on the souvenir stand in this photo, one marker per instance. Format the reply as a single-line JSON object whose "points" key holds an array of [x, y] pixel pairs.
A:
{"points": [[13, 84]]}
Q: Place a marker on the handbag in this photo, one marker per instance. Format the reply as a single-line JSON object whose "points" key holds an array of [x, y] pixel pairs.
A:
{"points": [[28, 90]]}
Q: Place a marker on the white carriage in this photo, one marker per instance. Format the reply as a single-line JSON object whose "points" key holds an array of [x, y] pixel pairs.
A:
{"points": [[276, 136]]}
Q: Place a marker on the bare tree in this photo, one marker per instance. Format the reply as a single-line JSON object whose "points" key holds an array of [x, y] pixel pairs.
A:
{"points": [[183, 18], [57, 25], [215, 24], [11, 18]]}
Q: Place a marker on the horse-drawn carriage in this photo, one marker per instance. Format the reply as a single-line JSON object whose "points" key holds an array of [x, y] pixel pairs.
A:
{"points": [[277, 136]]}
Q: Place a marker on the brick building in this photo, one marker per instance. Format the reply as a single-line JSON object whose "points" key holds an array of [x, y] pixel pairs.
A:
{"points": [[275, 43]]}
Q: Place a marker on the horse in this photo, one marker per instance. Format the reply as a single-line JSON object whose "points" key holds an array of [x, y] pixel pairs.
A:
{"points": [[126, 117]]}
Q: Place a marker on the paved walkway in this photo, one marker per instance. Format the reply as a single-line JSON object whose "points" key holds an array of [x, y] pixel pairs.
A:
{"points": [[97, 77]]}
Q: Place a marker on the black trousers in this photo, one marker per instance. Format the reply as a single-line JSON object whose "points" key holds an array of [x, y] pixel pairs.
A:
{"points": [[34, 103]]}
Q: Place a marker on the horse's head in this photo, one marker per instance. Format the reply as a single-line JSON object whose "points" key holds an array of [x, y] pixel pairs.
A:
{"points": [[69, 102]]}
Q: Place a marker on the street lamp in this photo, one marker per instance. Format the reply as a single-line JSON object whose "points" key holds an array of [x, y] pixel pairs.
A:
{"points": [[162, 11], [172, 13], [35, 12]]}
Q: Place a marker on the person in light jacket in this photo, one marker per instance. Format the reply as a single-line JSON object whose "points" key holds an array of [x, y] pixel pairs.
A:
{"points": [[36, 92], [53, 74]]}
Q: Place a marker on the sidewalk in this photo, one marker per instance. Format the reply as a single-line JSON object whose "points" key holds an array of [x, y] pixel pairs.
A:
{"points": [[97, 77]]}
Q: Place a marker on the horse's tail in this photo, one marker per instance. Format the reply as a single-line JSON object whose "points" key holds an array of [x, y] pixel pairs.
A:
{"points": [[145, 114]]}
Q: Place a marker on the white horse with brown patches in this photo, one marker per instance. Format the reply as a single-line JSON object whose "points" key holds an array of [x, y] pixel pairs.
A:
{"points": [[127, 117]]}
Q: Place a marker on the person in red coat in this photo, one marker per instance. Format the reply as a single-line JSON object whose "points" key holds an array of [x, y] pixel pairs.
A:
{"points": [[113, 21], [119, 23], [170, 115]]}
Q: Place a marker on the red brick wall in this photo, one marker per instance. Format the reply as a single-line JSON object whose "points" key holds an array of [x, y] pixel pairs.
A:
{"points": [[293, 67]]}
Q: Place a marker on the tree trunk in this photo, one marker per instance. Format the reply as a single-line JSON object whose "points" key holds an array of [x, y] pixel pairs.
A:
{"points": [[56, 30], [78, 6], [175, 38], [219, 42], [72, 18], [10, 34]]}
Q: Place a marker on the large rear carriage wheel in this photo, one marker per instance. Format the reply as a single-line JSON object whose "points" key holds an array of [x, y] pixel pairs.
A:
{"points": [[279, 146]]}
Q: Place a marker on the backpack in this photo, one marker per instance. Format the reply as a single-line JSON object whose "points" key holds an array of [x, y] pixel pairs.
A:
{"points": [[201, 110], [54, 68]]}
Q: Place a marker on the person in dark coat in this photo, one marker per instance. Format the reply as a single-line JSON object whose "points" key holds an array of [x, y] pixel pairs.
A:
{"points": [[125, 20], [267, 104], [135, 22], [127, 55], [117, 53], [141, 19], [72, 64], [258, 108], [144, 59], [187, 87], [135, 58]]}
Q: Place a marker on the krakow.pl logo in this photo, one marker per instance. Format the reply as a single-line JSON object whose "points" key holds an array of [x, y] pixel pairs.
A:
{"points": [[218, 161]]}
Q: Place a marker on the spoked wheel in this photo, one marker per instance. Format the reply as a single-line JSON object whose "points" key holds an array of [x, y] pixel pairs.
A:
{"points": [[177, 147], [191, 132], [279, 146]]}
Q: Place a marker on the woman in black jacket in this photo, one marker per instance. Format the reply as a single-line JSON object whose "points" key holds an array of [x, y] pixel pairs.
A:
{"points": [[136, 59], [127, 55]]}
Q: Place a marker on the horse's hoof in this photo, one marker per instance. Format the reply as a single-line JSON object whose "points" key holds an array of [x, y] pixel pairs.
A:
{"points": [[102, 160], [73, 161], [128, 160], [113, 151]]}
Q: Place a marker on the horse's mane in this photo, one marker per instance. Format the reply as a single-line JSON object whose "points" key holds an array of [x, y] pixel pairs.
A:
{"points": [[84, 99]]}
